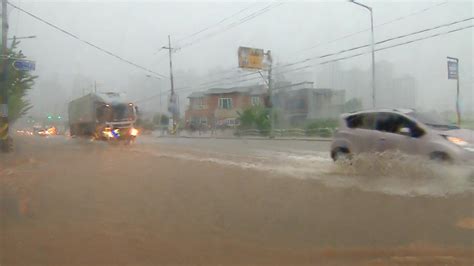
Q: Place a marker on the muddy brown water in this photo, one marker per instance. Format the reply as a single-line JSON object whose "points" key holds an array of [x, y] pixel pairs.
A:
{"points": [[96, 204]]}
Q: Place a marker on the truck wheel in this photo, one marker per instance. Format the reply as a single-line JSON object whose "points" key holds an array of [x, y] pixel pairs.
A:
{"points": [[72, 131], [129, 140]]}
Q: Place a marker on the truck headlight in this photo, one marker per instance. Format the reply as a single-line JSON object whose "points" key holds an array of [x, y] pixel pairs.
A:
{"points": [[133, 131], [107, 133]]}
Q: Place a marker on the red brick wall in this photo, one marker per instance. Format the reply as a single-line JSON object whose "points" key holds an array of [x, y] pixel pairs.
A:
{"points": [[212, 102]]}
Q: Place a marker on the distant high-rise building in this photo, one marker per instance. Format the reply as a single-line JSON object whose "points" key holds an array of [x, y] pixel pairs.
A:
{"points": [[397, 93]]}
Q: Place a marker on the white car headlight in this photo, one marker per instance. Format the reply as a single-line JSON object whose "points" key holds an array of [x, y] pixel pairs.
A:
{"points": [[457, 141], [469, 149]]}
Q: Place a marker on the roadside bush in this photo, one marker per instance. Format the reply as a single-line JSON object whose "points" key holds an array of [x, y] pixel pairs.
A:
{"points": [[469, 124], [322, 128], [256, 117], [160, 119]]}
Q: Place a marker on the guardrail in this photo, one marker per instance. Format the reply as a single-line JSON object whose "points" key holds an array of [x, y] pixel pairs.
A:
{"points": [[291, 132]]}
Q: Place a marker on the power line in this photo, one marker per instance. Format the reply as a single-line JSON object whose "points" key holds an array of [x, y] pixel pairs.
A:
{"points": [[379, 25], [189, 88], [218, 81], [235, 24], [400, 44], [242, 20], [376, 26], [341, 58], [216, 24], [86, 42], [378, 43]]}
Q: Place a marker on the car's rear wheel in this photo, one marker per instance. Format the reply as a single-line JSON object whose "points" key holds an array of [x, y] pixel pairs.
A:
{"points": [[440, 157], [340, 154]]}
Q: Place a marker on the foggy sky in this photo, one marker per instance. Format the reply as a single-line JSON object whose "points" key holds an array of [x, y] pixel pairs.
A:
{"points": [[137, 29]]}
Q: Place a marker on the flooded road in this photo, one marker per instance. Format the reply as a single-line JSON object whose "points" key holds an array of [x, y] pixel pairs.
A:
{"points": [[389, 173], [224, 201]]}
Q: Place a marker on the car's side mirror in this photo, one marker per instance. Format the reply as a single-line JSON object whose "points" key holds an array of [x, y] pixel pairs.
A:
{"points": [[405, 131]]}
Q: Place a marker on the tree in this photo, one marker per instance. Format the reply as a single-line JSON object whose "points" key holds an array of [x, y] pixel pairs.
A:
{"points": [[160, 119], [256, 117], [18, 84], [352, 105]]}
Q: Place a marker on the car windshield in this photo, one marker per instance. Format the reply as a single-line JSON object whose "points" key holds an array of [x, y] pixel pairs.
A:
{"points": [[434, 121]]}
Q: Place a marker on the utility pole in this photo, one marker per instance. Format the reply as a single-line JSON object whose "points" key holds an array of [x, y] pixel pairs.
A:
{"points": [[173, 100], [5, 141], [170, 49]]}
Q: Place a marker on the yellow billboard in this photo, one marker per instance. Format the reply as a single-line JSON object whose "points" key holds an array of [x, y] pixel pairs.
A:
{"points": [[251, 58]]}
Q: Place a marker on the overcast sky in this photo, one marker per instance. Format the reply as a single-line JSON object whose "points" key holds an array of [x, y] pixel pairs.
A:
{"points": [[136, 30]]}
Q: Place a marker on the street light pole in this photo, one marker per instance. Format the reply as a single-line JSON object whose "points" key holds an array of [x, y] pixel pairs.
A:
{"points": [[374, 103]]}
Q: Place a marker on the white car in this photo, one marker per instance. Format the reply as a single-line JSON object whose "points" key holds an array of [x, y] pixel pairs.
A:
{"points": [[402, 130]]}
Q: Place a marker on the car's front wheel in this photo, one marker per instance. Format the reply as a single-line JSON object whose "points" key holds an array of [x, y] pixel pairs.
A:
{"points": [[340, 154]]}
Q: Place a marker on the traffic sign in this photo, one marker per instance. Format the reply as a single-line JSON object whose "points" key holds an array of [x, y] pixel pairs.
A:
{"points": [[452, 69], [24, 65]]}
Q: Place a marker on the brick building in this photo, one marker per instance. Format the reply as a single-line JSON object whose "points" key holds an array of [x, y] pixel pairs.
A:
{"points": [[219, 107]]}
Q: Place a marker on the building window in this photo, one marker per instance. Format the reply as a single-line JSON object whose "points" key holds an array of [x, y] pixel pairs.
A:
{"points": [[225, 103], [198, 104], [255, 100]]}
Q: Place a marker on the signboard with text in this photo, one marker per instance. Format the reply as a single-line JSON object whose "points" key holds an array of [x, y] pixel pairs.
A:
{"points": [[24, 65], [251, 58], [452, 69]]}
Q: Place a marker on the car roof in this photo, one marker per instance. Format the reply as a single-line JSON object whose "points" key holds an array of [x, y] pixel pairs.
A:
{"points": [[404, 111]]}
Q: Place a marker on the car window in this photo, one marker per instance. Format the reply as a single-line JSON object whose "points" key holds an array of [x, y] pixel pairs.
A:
{"points": [[364, 121], [393, 123], [433, 121]]}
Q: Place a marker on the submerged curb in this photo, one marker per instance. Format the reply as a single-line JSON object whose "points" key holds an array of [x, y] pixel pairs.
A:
{"points": [[249, 138]]}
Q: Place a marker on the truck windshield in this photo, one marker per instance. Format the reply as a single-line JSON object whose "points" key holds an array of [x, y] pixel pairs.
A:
{"points": [[122, 112], [114, 113]]}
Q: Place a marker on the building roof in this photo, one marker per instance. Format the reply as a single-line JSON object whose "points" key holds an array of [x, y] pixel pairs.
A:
{"points": [[196, 94], [252, 90]]}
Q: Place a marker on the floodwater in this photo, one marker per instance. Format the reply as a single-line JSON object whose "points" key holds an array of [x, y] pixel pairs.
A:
{"points": [[391, 173], [226, 201]]}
